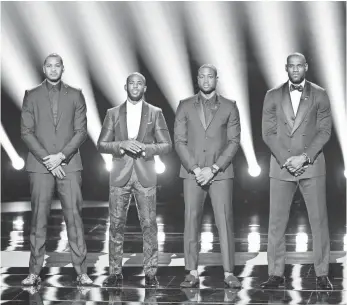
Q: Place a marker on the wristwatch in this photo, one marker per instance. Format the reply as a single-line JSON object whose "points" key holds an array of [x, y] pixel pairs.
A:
{"points": [[214, 169], [307, 157]]}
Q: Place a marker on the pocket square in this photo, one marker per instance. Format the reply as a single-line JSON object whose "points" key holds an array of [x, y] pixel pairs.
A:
{"points": [[149, 122]]}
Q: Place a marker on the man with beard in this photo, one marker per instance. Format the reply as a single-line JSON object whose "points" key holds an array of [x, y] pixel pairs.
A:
{"points": [[207, 137], [296, 126], [133, 133], [54, 126]]}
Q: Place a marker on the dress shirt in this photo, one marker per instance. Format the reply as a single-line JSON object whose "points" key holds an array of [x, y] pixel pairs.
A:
{"points": [[295, 96], [207, 104], [53, 95], [133, 118]]}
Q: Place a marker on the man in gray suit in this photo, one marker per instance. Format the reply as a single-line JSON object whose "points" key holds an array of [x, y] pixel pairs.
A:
{"points": [[133, 133], [296, 125], [53, 126], [207, 137]]}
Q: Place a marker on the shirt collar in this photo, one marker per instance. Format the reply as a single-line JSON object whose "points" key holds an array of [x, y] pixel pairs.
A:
{"points": [[302, 83], [50, 86], [212, 99], [138, 104]]}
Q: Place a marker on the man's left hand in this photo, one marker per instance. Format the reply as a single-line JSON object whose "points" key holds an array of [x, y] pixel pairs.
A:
{"points": [[52, 161], [295, 162], [205, 176]]}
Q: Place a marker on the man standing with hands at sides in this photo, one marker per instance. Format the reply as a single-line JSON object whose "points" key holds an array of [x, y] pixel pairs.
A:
{"points": [[133, 133], [296, 125], [53, 127], [207, 137]]}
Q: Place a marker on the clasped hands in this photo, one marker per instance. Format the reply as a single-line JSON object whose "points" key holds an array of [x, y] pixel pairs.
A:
{"points": [[53, 164], [133, 146], [203, 176], [296, 165]]}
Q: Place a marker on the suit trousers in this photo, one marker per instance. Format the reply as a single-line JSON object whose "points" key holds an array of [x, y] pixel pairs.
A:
{"points": [[145, 198], [281, 196], [221, 192], [69, 191]]}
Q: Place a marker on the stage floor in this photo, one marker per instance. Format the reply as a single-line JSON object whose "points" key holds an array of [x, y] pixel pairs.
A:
{"points": [[250, 225]]}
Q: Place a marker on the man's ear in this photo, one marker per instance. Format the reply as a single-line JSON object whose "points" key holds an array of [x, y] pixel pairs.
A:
{"points": [[144, 88], [125, 87], [306, 67], [286, 67]]}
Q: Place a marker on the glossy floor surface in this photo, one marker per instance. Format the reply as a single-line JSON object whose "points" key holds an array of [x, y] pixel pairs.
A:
{"points": [[250, 224]]}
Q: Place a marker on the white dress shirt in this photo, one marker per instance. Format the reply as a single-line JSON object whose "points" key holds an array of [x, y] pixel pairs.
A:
{"points": [[295, 96], [133, 118]]}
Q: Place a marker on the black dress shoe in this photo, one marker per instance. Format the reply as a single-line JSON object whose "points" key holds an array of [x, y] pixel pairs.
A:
{"points": [[273, 282], [113, 280], [324, 283], [151, 281]]}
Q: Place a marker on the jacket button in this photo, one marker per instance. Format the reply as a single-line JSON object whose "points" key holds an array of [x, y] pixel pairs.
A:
{"points": [[204, 150], [289, 150], [303, 135], [305, 146]]}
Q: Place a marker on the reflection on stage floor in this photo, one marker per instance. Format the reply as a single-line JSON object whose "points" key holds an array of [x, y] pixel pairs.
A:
{"points": [[250, 226]]}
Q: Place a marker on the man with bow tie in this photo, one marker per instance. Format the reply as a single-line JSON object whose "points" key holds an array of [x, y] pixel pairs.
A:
{"points": [[53, 127], [207, 137], [296, 125], [133, 132]]}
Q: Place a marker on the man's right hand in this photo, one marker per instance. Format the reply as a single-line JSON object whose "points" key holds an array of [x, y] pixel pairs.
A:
{"points": [[58, 172], [131, 145]]}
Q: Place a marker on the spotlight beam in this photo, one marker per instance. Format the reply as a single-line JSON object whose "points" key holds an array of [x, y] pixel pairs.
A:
{"points": [[13, 60], [162, 45], [220, 43], [16, 160], [328, 45], [272, 30], [111, 56], [44, 26]]}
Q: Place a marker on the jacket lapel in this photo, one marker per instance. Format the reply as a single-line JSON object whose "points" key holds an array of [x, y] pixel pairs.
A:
{"points": [[305, 104], [123, 121], [144, 121], [63, 94], [200, 110], [287, 106], [214, 110]]}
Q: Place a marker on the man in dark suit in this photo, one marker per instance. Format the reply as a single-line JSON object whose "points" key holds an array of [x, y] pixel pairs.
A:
{"points": [[53, 126], [296, 125], [207, 137], [133, 133]]}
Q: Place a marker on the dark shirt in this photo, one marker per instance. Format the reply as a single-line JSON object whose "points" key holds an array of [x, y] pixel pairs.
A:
{"points": [[207, 104], [53, 94]]}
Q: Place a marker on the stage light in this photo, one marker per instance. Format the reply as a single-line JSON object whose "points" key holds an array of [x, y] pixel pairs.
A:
{"points": [[328, 44], [221, 43], [159, 165], [253, 242], [301, 241], [108, 161], [18, 163], [161, 40], [254, 171]]}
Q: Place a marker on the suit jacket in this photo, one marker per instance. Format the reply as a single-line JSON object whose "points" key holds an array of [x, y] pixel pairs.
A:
{"points": [[202, 144], [43, 137], [287, 135], [153, 132]]}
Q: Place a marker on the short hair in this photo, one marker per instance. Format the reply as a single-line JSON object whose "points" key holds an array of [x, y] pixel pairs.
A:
{"points": [[296, 54], [54, 55], [209, 66], [138, 74]]}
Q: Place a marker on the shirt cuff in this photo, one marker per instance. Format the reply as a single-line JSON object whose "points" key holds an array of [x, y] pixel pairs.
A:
{"points": [[216, 167], [121, 151]]}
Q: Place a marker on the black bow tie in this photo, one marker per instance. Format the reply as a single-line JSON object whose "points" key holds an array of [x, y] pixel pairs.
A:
{"points": [[296, 87]]}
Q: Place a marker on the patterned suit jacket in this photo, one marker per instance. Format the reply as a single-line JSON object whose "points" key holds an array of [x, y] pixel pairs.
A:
{"points": [[153, 133]]}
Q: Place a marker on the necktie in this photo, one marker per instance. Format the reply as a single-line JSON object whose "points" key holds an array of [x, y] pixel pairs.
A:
{"points": [[207, 110], [296, 87]]}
